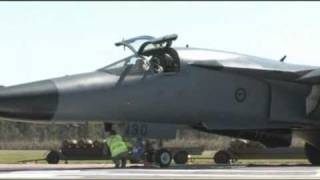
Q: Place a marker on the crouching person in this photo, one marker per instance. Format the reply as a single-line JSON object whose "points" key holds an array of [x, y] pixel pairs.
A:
{"points": [[118, 149]]}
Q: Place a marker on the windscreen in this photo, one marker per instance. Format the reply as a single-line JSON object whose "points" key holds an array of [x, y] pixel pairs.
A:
{"points": [[115, 68], [135, 64]]}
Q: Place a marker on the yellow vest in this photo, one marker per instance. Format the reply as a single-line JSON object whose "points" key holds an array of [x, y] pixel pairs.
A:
{"points": [[116, 145]]}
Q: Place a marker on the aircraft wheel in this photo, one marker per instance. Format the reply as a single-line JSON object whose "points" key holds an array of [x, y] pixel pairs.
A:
{"points": [[163, 157], [312, 153], [181, 157], [222, 157], [53, 157]]}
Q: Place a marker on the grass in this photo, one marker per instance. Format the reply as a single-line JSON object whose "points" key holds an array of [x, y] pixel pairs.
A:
{"points": [[209, 160], [14, 156], [29, 145]]}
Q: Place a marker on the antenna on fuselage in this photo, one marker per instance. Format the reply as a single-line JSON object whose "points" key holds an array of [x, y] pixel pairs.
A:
{"points": [[283, 58], [124, 47]]}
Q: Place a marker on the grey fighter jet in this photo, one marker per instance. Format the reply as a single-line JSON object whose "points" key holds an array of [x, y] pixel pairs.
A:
{"points": [[160, 88]]}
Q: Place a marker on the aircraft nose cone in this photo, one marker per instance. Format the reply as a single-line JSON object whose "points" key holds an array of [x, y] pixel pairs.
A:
{"points": [[32, 101]]}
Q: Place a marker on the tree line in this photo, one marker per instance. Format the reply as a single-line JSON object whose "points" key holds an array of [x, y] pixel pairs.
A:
{"points": [[21, 135]]}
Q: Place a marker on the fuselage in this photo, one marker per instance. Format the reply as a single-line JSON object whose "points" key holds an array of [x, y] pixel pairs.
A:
{"points": [[189, 96]]}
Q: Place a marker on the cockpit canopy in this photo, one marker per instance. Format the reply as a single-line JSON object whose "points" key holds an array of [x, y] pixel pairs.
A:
{"points": [[149, 55]]}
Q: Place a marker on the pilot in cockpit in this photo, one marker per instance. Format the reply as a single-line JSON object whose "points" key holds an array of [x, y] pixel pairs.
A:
{"points": [[157, 64], [164, 62]]}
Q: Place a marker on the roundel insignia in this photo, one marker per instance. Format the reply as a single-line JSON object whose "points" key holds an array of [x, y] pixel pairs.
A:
{"points": [[240, 95]]}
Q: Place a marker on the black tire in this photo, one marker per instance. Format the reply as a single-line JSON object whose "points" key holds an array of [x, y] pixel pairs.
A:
{"points": [[181, 157], [312, 154], [222, 157], [53, 157], [163, 157]]}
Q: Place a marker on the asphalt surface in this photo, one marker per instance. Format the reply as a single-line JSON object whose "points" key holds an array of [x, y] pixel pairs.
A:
{"points": [[32, 171]]}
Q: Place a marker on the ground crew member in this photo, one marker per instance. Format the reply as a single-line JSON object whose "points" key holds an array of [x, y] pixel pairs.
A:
{"points": [[118, 149]]}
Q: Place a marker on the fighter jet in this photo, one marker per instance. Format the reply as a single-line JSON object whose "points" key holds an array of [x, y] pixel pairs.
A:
{"points": [[160, 88]]}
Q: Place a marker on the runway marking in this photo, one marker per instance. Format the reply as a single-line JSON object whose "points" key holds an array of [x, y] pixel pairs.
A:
{"points": [[229, 173], [161, 173], [318, 172], [36, 174]]}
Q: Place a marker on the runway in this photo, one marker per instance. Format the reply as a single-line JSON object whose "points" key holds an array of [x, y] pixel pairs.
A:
{"points": [[176, 172]]}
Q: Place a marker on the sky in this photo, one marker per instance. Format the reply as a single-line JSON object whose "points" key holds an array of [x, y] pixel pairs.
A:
{"points": [[41, 40]]}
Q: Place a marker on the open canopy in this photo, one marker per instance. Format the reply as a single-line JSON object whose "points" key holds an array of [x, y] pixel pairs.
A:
{"points": [[147, 43], [154, 54]]}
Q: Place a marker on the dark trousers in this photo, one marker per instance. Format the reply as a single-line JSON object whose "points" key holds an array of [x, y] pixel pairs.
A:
{"points": [[120, 160]]}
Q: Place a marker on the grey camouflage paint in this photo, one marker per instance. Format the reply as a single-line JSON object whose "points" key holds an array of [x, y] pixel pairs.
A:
{"points": [[206, 92], [192, 95]]}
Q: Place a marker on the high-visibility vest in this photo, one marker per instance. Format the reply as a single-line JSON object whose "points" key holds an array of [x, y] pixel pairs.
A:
{"points": [[116, 145]]}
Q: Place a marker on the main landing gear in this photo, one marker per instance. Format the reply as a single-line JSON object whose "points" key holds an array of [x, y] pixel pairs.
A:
{"points": [[164, 157]]}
